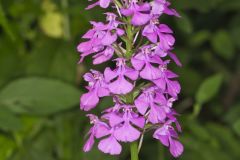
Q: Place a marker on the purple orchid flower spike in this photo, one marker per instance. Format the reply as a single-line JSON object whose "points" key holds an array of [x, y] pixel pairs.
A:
{"points": [[143, 89], [98, 130], [97, 88], [101, 3], [117, 78], [139, 17], [168, 137]]}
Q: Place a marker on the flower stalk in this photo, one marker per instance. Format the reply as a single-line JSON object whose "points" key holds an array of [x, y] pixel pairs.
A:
{"points": [[134, 150], [129, 42]]}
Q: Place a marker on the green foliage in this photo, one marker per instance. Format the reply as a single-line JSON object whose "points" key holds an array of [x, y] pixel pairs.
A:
{"points": [[223, 44], [40, 81], [8, 120], [209, 88], [39, 96], [5, 25]]}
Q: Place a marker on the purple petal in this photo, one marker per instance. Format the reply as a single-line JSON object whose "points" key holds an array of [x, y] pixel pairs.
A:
{"points": [[157, 8], [140, 121], [92, 5], [157, 114], [88, 101], [84, 46], [104, 3], [137, 64], [164, 28], [127, 12], [120, 86], [159, 51], [101, 130], [173, 88], [89, 144], [176, 148], [144, 7], [103, 56], [161, 83], [89, 34], [163, 139], [102, 92], [109, 39], [171, 12], [141, 104], [151, 37], [120, 32], [110, 145], [109, 74], [162, 134], [156, 59], [114, 119], [160, 99], [175, 59], [139, 19], [166, 41], [88, 77], [126, 133], [149, 32], [150, 72], [131, 73], [170, 74]]}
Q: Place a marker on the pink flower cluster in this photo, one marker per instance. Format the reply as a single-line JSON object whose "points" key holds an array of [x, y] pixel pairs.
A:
{"points": [[141, 85]]}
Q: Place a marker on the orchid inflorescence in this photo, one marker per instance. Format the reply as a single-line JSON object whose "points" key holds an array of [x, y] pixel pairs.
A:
{"points": [[142, 87]]}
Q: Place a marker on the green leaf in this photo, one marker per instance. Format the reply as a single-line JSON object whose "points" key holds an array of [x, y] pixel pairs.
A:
{"points": [[233, 114], [199, 38], [185, 24], [7, 147], [226, 138], [5, 25], [209, 88], [39, 95], [53, 58], [226, 6], [234, 29], [8, 120], [236, 127], [10, 62], [223, 45]]}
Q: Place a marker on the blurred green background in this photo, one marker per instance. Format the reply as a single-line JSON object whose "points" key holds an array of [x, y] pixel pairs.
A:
{"points": [[40, 81]]}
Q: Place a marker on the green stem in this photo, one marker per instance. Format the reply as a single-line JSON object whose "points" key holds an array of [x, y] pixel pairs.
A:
{"points": [[134, 150], [196, 110], [129, 43]]}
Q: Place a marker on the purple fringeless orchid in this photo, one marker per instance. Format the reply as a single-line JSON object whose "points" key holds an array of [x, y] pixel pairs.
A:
{"points": [[142, 86]]}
